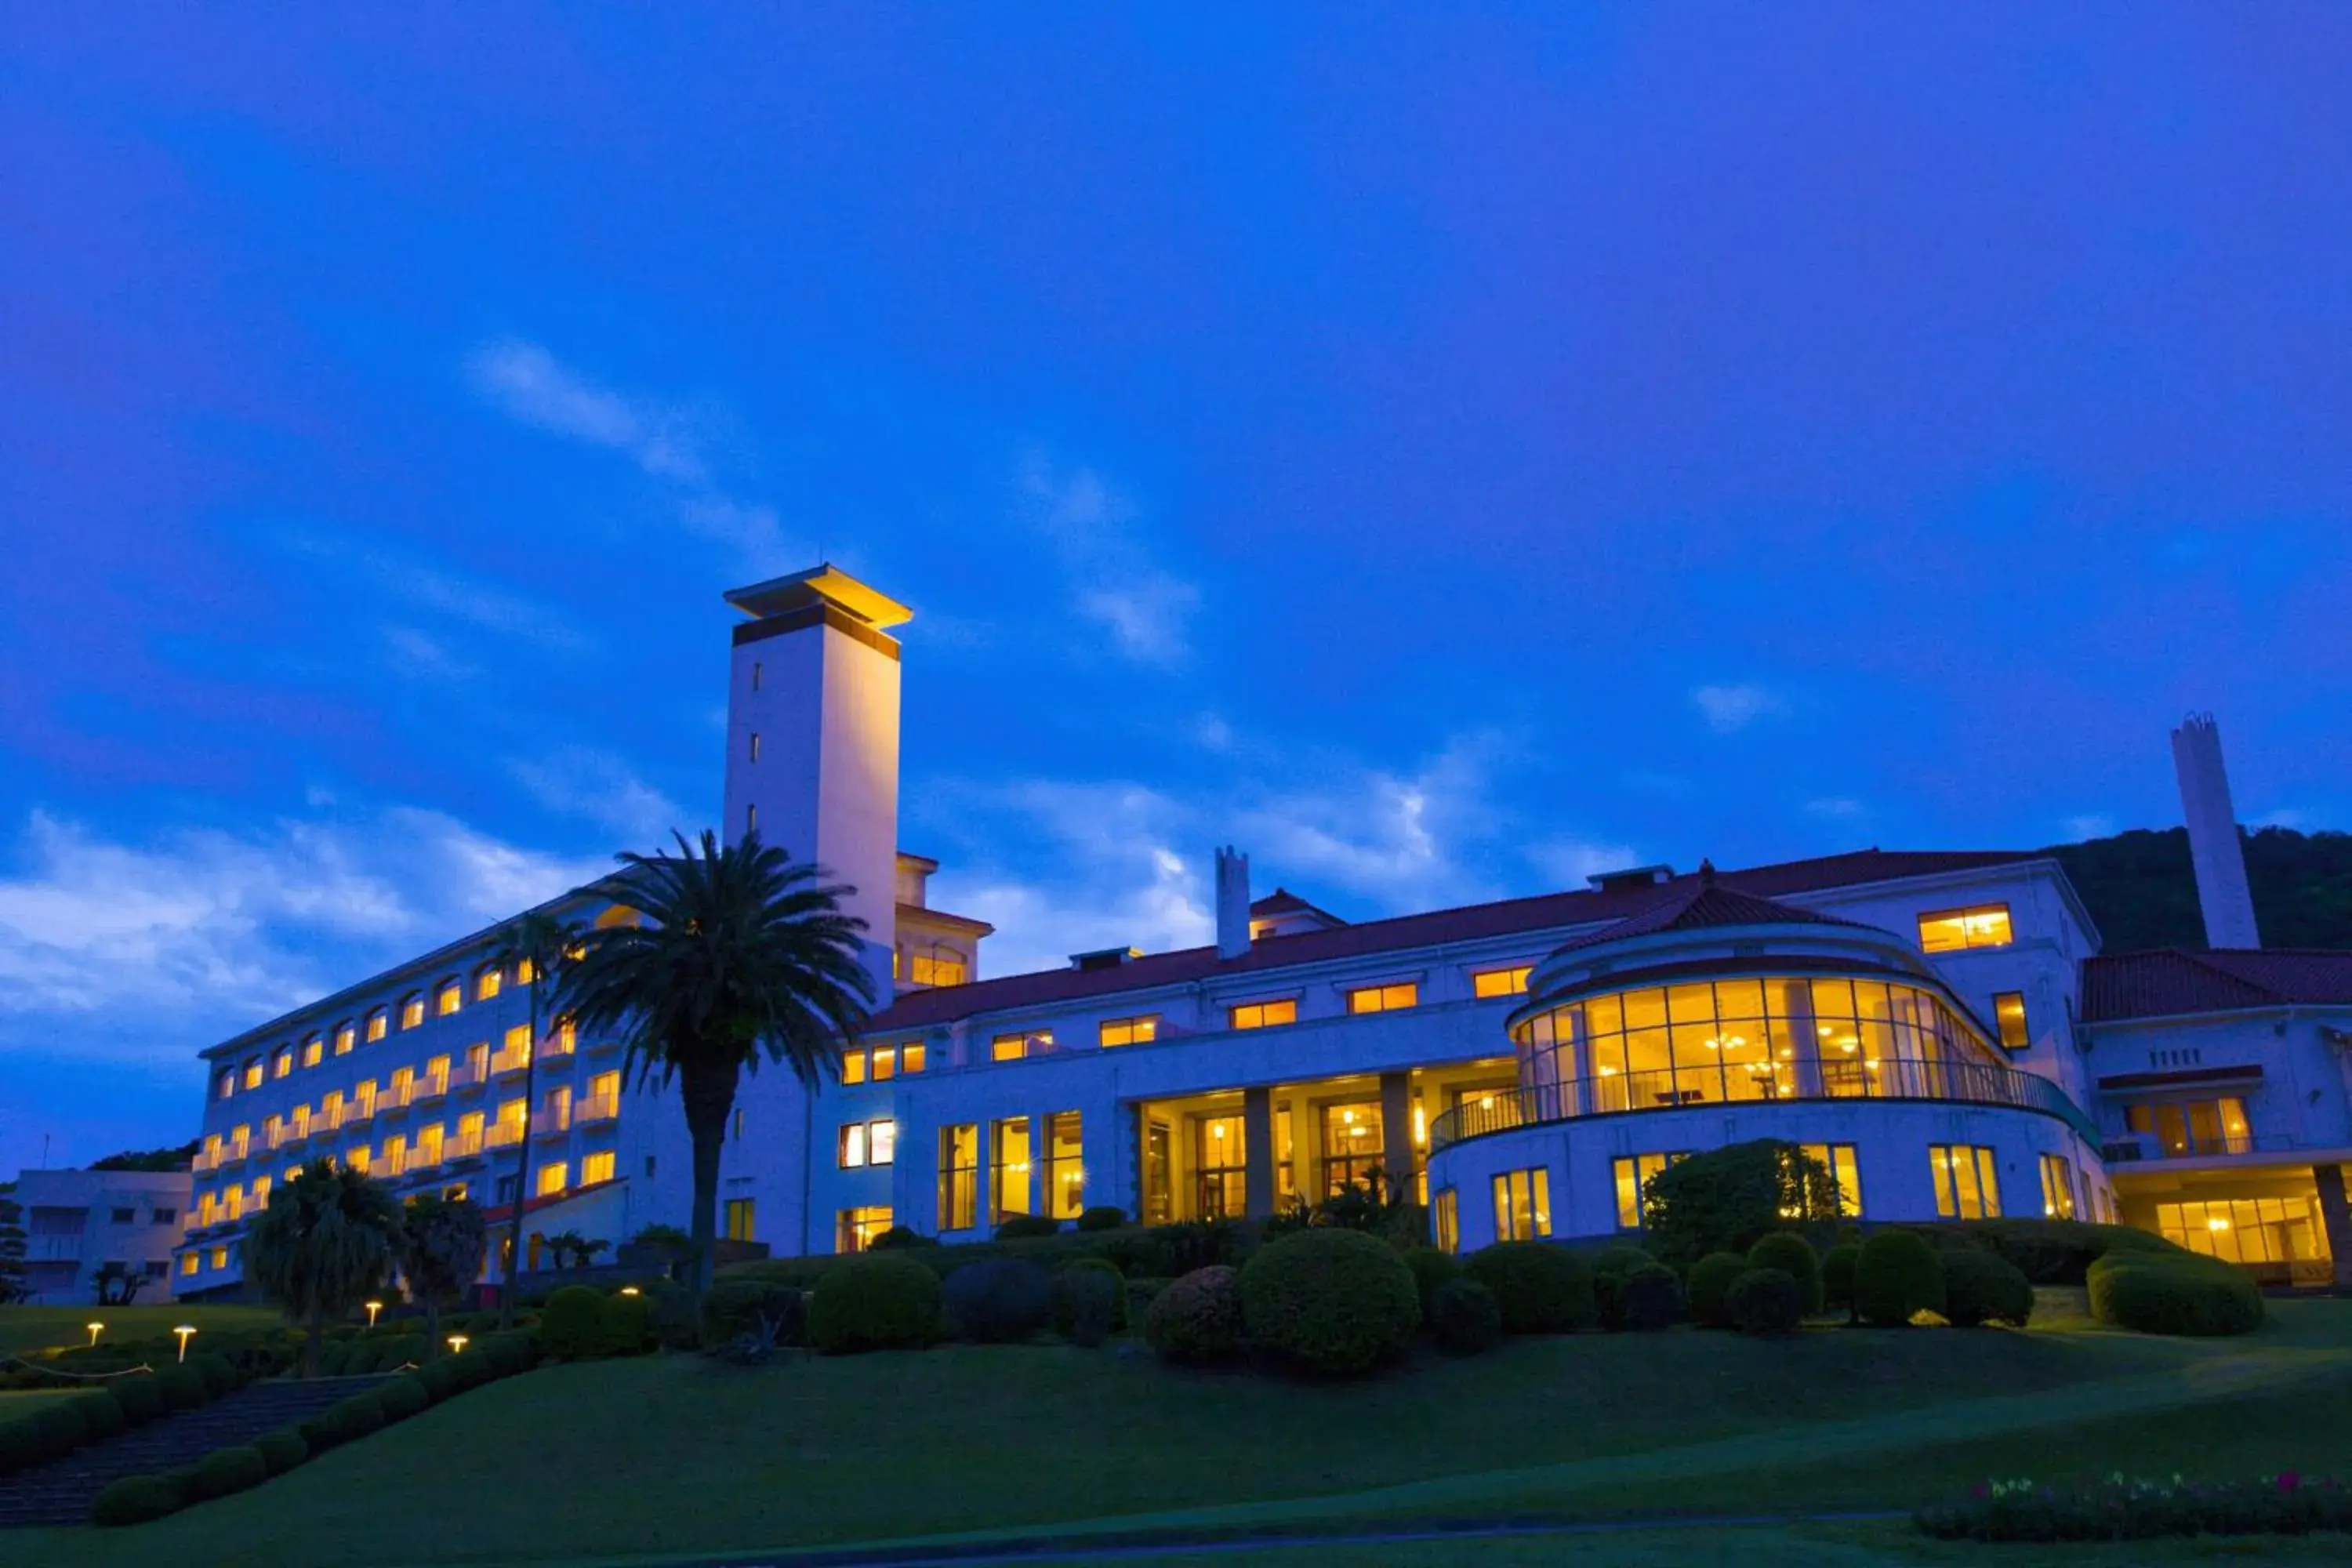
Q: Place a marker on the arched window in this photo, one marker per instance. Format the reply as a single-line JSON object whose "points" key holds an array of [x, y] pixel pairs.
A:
{"points": [[451, 997], [346, 1036], [487, 982], [412, 1010], [379, 1024], [314, 1051]]}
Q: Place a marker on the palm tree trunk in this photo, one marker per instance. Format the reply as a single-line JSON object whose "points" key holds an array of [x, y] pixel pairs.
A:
{"points": [[709, 1094], [522, 1166]]}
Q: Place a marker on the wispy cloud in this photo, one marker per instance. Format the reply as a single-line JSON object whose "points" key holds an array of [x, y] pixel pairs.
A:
{"points": [[1836, 808], [2090, 824], [533, 385], [1113, 580], [1569, 863], [599, 787], [1730, 709], [422, 656]]}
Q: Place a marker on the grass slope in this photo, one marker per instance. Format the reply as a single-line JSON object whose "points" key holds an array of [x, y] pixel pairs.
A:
{"points": [[23, 1329]]}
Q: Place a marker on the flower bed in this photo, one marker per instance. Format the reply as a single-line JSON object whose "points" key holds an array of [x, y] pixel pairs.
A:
{"points": [[2125, 1508]]}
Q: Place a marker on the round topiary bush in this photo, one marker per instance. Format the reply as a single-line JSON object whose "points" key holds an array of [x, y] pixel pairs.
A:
{"points": [[1197, 1318], [875, 1302], [1430, 1269], [1026, 1227], [183, 1385], [440, 1379], [1331, 1300], [1611, 1267], [671, 1319], [402, 1397], [334, 1358], [627, 1324], [1710, 1287], [999, 1300], [1985, 1288], [1794, 1255], [348, 1420], [1463, 1317], [1768, 1302], [571, 1325], [134, 1500], [102, 1416], [1102, 1216], [281, 1450], [897, 1236], [139, 1395], [2157, 1293], [218, 1372], [1090, 1301], [1541, 1287], [1649, 1299], [59, 1427], [748, 1305], [1897, 1276], [226, 1470], [1837, 1275]]}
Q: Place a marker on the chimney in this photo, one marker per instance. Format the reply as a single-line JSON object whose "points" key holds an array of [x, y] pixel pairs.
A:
{"points": [[1232, 903], [2213, 846]]}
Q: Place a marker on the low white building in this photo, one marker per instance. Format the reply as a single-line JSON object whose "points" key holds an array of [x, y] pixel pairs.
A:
{"points": [[79, 1222]]}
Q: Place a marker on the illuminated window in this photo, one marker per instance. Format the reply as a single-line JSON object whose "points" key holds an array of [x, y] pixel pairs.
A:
{"points": [[2057, 1187], [1263, 1014], [1633, 1178], [959, 1177], [260, 1192], [379, 1024], [881, 1142], [1009, 1192], [346, 1036], [884, 1063], [1838, 1160], [403, 1084], [910, 1056], [395, 1156], [285, 1062], [936, 969], [2248, 1230], [253, 1073], [220, 1256], [452, 996], [524, 971], [1353, 1146], [567, 1038], [855, 1230], [853, 1067], [1523, 1205], [228, 1084], [514, 1053], [314, 1051], [1491, 983], [2008, 1017], [469, 1136], [437, 1076], [432, 1139], [514, 1119], [1220, 1167], [553, 1178], [1385, 998], [1012, 1048], [240, 1140], [363, 1100], [411, 1012], [2184, 1127], [187, 1263], [741, 1219], [487, 983], [850, 1152], [604, 1098], [1968, 1184], [596, 1168], [1946, 930], [273, 1130], [1131, 1031], [1446, 1220], [360, 1157], [1065, 1171]]}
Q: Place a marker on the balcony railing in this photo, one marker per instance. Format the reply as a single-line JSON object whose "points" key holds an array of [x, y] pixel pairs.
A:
{"points": [[597, 1108], [2138, 1147], [509, 1058], [505, 1135], [551, 1123], [1964, 1083], [465, 1146]]}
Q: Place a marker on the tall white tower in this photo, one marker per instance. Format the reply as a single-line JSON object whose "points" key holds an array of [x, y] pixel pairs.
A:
{"points": [[2213, 846]]}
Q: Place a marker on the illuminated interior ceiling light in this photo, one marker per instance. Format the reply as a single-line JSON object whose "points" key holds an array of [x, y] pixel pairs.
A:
{"points": [[1714, 1045], [1358, 1131], [1827, 1029], [1486, 1103], [1872, 1065], [2217, 1223], [1787, 1055], [1606, 1072]]}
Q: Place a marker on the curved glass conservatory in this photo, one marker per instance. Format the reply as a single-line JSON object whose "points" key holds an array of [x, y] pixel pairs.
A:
{"points": [[1717, 1018]]}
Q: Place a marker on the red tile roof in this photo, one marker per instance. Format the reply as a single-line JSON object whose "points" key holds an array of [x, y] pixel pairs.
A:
{"points": [[1271, 955], [1696, 904], [2167, 982], [1283, 901]]}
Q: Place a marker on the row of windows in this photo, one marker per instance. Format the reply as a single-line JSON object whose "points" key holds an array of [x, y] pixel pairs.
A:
{"points": [[2193, 1126], [863, 1144], [2247, 1230], [1022, 1179], [1632, 1176], [447, 998], [879, 1062]]}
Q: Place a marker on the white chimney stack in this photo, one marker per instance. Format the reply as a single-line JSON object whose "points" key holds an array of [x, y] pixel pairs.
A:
{"points": [[2213, 847], [1232, 903]]}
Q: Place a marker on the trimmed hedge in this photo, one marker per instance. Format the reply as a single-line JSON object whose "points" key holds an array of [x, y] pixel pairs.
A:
{"points": [[1837, 1275], [2187, 1294], [183, 1388], [627, 1324], [1711, 1280], [226, 1470], [571, 1325], [281, 1450], [1027, 1227], [1463, 1317], [1985, 1288], [1897, 1276], [1331, 1300], [142, 1398], [1090, 1301], [1540, 1288], [1650, 1298], [1197, 1318], [735, 1307], [1612, 1266], [999, 1300], [1768, 1302], [135, 1499], [1431, 1268], [402, 1397], [1792, 1254], [1102, 1216], [875, 1302], [2056, 1251]]}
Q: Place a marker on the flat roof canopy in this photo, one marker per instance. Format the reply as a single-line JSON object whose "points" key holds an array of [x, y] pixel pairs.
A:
{"points": [[824, 583]]}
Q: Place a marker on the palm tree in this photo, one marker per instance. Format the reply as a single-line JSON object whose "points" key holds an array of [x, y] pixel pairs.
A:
{"points": [[441, 1241], [539, 944], [324, 1245], [742, 954]]}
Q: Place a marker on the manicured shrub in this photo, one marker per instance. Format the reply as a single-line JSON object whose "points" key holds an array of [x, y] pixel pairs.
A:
{"points": [[1837, 1275], [1102, 1216], [2058, 1251], [1090, 1301], [348, 1420], [439, 1379], [1768, 1302], [141, 1397], [1726, 1199], [505, 1355], [1463, 1317], [402, 1397], [1710, 1287], [895, 1237], [1650, 1298], [733, 1307], [1897, 1274], [627, 1324], [1541, 1287], [183, 1385], [232, 1470], [1331, 1300], [1172, 1251], [1610, 1266], [218, 1372], [335, 1358], [103, 1415], [1198, 1318], [1794, 1255], [2154, 1294], [1140, 1294], [572, 1326], [999, 1300], [875, 1302], [1985, 1288], [1023, 1227], [1430, 1269], [134, 1500], [281, 1450], [60, 1425]]}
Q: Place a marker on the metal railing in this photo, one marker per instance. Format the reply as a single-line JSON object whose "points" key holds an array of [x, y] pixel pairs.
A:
{"points": [[2137, 1147], [597, 1108], [1963, 1083]]}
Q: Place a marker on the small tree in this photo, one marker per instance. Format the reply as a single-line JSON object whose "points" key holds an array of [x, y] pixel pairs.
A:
{"points": [[1726, 1199], [12, 1288], [117, 1284], [442, 1243], [326, 1243]]}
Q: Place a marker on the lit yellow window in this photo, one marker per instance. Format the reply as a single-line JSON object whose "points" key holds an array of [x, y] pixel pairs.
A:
{"points": [[1523, 1205], [403, 1084], [469, 1136], [1264, 1014], [2009, 1018], [431, 1138], [228, 1084], [1445, 1218], [567, 1036], [856, 1229], [220, 1256], [516, 1051], [187, 1264], [741, 1219], [553, 1179], [314, 1051], [330, 1109], [478, 1061], [379, 1024], [853, 1067], [1385, 998], [596, 1168], [604, 1098], [910, 1056], [359, 1158], [285, 1062], [1491, 983], [881, 1142], [411, 1012], [514, 1116], [273, 1130], [437, 1076], [363, 1100], [937, 969], [345, 1038], [1131, 1031], [452, 996], [1986, 925], [395, 1156], [261, 1192], [299, 1120], [253, 1073], [487, 983], [884, 1062], [1012, 1048], [849, 1150], [240, 1139]]}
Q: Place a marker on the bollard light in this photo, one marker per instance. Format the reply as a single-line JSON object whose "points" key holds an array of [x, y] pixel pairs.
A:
{"points": [[456, 1344], [628, 1289], [95, 1329], [183, 1331], [373, 1308]]}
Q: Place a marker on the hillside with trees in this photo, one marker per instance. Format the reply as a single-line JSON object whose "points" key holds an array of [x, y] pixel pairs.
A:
{"points": [[2140, 890]]}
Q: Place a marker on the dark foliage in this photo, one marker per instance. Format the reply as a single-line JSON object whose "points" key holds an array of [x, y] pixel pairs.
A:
{"points": [[875, 1302], [1896, 1275], [1792, 1254], [1463, 1317], [1102, 1216], [1197, 1318], [1726, 1199], [1710, 1287], [1090, 1301], [2142, 893], [1766, 1303], [1541, 1288], [1649, 1299], [2174, 1295], [1984, 1287], [999, 1300], [1332, 1300]]}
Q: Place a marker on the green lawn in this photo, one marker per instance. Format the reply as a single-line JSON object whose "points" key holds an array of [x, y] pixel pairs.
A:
{"points": [[674, 1455], [23, 1329]]}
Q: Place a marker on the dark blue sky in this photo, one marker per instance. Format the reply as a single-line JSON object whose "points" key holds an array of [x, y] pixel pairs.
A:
{"points": [[1444, 455]]}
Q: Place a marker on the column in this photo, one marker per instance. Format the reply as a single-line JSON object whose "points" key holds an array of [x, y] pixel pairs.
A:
{"points": [[1396, 1130], [1805, 1035], [2335, 1214], [1042, 1173], [1257, 1146]]}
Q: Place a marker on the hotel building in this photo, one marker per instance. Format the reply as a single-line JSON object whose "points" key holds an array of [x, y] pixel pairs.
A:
{"points": [[1941, 1028]]}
